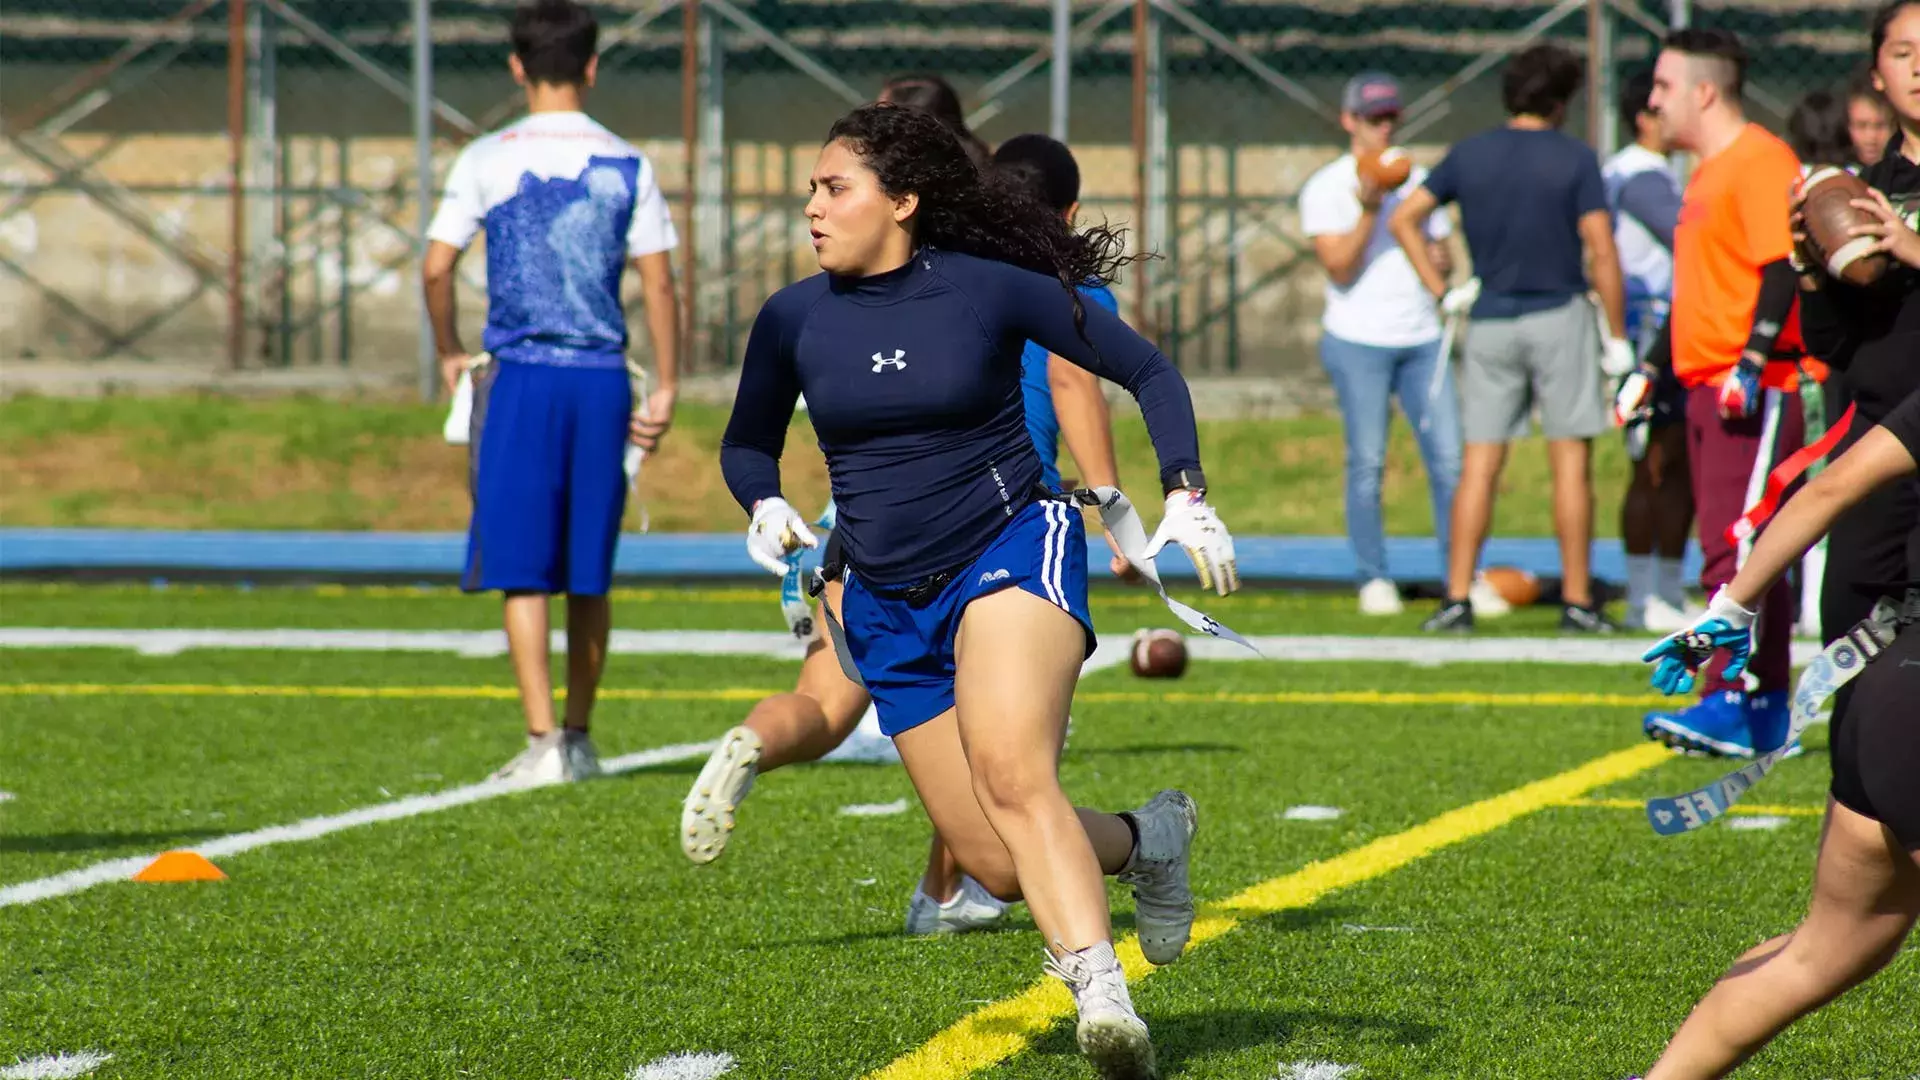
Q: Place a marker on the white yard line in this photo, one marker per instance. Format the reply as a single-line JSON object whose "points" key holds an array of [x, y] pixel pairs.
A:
{"points": [[55, 1066], [101, 873], [684, 1067], [1112, 651]]}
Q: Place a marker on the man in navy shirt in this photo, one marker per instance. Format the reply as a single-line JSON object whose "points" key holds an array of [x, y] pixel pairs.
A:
{"points": [[1530, 198]]}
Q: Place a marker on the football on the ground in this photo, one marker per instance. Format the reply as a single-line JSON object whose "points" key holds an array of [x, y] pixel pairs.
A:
{"points": [[1516, 586], [1159, 654], [1829, 213], [1385, 169]]}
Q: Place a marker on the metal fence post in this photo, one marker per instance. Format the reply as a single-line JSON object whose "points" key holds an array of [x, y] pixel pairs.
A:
{"points": [[423, 174], [1061, 76], [236, 180]]}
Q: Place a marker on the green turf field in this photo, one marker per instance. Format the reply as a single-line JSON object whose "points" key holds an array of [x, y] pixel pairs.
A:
{"points": [[559, 933]]}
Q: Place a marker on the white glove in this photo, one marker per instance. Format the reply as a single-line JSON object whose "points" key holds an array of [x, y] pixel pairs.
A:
{"points": [[1460, 299], [1193, 525], [1617, 356], [776, 531], [1630, 400]]}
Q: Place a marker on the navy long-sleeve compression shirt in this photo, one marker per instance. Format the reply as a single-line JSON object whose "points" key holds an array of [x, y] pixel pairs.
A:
{"points": [[912, 380]]}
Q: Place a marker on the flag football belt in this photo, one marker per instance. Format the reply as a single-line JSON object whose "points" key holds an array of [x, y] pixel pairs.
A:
{"points": [[1119, 518], [1783, 476], [1835, 667]]}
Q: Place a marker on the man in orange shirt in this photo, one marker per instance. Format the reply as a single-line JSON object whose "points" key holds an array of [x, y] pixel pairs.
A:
{"points": [[1733, 296]]}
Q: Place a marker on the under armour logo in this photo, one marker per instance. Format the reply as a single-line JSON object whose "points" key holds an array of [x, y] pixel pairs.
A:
{"points": [[897, 360]]}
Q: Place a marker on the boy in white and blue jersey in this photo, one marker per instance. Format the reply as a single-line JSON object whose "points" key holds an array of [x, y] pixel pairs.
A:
{"points": [[1656, 517], [565, 205]]}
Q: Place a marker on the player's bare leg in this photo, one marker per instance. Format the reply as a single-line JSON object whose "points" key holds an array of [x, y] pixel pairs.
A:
{"points": [[525, 618], [589, 622], [1866, 896], [1571, 462]]}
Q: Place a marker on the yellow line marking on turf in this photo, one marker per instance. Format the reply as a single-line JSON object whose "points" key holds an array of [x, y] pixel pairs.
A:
{"points": [[1004, 1028], [1762, 810], [732, 693], [1304, 697], [1375, 697]]}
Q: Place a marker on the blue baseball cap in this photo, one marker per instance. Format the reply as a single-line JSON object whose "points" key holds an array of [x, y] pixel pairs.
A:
{"points": [[1371, 94]]}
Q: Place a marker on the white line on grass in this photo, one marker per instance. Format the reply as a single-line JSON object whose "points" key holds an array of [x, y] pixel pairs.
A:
{"points": [[1114, 650], [56, 1067], [878, 809], [1311, 813], [100, 873], [6, 796], [1313, 1070], [684, 1067], [1753, 822]]}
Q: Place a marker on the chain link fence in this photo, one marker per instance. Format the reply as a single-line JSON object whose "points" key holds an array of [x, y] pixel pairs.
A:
{"points": [[236, 183]]}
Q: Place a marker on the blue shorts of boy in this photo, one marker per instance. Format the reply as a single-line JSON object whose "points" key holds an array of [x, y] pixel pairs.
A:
{"points": [[549, 484], [904, 651]]}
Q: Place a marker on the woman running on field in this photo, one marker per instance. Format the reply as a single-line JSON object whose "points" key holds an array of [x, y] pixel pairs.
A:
{"points": [[965, 598]]}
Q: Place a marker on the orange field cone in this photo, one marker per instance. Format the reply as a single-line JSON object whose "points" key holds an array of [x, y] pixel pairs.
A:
{"points": [[180, 866]]}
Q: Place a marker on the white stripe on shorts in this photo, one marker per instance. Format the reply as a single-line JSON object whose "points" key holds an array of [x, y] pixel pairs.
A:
{"points": [[1049, 561]]}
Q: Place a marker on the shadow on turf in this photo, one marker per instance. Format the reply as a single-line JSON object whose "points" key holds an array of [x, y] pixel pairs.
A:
{"points": [[1184, 1036], [76, 841]]}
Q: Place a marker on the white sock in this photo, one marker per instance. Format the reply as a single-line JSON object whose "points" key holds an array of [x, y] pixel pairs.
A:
{"points": [[1667, 582], [1640, 575], [1101, 956]]}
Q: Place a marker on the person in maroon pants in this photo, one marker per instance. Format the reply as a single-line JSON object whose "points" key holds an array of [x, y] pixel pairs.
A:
{"points": [[1735, 347]]}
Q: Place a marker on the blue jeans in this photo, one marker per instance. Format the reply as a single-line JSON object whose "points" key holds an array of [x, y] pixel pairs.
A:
{"points": [[1366, 378]]}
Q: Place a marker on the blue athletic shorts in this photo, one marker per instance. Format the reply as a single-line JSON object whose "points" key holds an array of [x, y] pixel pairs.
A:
{"points": [[549, 483], [904, 650]]}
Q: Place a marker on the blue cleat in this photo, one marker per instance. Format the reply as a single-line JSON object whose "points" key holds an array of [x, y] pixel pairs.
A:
{"points": [[1768, 717], [1718, 724]]}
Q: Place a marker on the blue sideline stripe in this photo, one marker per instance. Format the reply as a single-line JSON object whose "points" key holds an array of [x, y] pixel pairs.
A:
{"points": [[1314, 559]]}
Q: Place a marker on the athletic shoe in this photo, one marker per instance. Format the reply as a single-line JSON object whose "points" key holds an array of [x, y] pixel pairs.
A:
{"points": [[865, 745], [972, 908], [1380, 597], [1717, 724], [1157, 870], [706, 819], [1660, 617], [1769, 715], [1454, 617], [1110, 1033], [583, 761], [542, 762], [1486, 599], [1576, 619]]}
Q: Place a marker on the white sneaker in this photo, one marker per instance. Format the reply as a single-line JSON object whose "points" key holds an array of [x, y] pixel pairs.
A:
{"points": [[972, 908], [1660, 617], [1487, 601], [706, 819], [1157, 870], [865, 744], [542, 762], [1380, 597], [582, 760], [1110, 1033]]}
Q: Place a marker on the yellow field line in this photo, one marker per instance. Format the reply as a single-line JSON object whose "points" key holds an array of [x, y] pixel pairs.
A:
{"points": [[732, 693], [1763, 810], [1177, 697], [1375, 697], [1004, 1028]]}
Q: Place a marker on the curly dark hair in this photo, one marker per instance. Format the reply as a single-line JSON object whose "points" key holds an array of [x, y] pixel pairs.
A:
{"points": [[975, 212]]}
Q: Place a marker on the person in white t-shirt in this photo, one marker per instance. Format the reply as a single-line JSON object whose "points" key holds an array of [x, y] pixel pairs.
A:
{"points": [[1380, 334], [565, 205]]}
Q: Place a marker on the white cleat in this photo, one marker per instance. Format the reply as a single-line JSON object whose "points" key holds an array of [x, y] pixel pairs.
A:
{"points": [[972, 908], [542, 762], [1110, 1033], [1380, 597], [865, 744], [1157, 870], [582, 760], [1487, 601], [706, 819], [1660, 617]]}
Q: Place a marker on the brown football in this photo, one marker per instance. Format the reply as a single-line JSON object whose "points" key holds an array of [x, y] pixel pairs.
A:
{"points": [[1385, 169], [1516, 586], [1159, 654], [1829, 212]]}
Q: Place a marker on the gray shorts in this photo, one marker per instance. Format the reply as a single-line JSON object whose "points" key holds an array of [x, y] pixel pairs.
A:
{"points": [[1547, 361]]}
